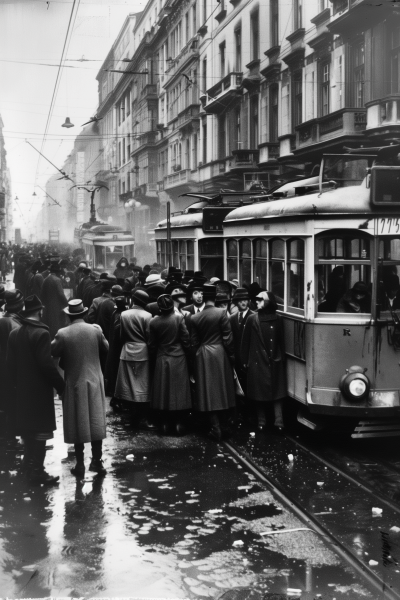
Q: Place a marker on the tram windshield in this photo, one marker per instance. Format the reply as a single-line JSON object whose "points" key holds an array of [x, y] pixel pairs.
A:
{"points": [[388, 288], [344, 271], [345, 170]]}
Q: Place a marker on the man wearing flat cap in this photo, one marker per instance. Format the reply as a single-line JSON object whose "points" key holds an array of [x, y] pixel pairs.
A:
{"points": [[54, 299], [81, 347], [31, 377]]}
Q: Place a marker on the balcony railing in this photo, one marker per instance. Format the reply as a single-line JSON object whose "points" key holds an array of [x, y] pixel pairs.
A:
{"points": [[221, 95], [178, 178], [346, 121]]}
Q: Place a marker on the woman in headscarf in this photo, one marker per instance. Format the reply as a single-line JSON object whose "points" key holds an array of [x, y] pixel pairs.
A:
{"points": [[263, 356], [122, 270]]}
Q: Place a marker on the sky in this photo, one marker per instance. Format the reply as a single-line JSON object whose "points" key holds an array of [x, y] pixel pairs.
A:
{"points": [[34, 31]]}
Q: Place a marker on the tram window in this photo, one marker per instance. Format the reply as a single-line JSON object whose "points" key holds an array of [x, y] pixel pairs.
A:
{"points": [[211, 257], [245, 262], [345, 170], [260, 253], [175, 253], [277, 269], [344, 262], [99, 257], [190, 255], [232, 251], [182, 255], [296, 274], [388, 288]]}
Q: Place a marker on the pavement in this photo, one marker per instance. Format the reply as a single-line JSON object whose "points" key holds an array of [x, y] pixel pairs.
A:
{"points": [[173, 518]]}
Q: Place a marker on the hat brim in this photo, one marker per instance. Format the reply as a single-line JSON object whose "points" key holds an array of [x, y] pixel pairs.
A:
{"points": [[75, 314]]}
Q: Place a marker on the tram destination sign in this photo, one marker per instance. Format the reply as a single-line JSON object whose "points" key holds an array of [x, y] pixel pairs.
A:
{"points": [[388, 226]]}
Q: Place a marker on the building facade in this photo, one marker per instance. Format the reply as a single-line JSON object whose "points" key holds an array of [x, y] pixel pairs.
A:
{"points": [[200, 95], [6, 208]]}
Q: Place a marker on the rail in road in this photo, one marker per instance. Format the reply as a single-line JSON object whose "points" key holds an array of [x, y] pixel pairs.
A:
{"points": [[348, 511]]}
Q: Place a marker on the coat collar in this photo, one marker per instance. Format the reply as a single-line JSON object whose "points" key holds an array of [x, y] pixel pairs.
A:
{"points": [[32, 323]]}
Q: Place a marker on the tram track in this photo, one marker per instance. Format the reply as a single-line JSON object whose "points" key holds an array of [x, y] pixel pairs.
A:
{"points": [[289, 499], [351, 477]]}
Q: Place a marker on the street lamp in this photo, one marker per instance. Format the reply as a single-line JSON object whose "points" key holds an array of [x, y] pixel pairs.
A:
{"points": [[92, 190]]}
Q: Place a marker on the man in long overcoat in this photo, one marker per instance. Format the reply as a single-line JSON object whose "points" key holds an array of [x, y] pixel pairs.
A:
{"points": [[106, 285], [84, 281], [106, 310], [14, 303], [133, 380], [31, 377], [238, 321], [211, 337], [263, 355], [54, 300], [169, 342], [79, 347], [114, 351]]}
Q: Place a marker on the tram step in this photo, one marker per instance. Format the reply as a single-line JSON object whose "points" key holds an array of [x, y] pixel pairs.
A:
{"points": [[305, 420], [369, 429]]}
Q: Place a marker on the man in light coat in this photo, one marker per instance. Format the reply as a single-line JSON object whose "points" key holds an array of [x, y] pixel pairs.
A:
{"points": [[133, 380], [80, 347]]}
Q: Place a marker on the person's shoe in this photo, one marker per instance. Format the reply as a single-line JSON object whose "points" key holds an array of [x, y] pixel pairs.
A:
{"points": [[180, 429], [97, 466], [164, 428], [147, 425], [40, 476], [79, 469], [215, 434]]}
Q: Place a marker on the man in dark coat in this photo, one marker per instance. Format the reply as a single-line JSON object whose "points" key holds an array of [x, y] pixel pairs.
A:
{"points": [[169, 343], [14, 303], [106, 285], [114, 351], [19, 273], [212, 340], [122, 271], [238, 321], [31, 377], [94, 291], [54, 300], [263, 355], [35, 283], [84, 280], [79, 274], [106, 310]]}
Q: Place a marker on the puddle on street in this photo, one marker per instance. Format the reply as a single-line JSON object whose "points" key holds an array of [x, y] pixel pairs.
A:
{"points": [[179, 519]]}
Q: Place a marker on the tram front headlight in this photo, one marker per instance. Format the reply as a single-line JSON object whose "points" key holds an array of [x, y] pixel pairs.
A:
{"points": [[355, 385]]}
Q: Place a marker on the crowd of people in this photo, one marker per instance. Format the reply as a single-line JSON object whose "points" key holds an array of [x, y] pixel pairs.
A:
{"points": [[173, 348]]}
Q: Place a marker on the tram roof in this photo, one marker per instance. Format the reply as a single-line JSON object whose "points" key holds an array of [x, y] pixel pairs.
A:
{"points": [[342, 201], [185, 220]]}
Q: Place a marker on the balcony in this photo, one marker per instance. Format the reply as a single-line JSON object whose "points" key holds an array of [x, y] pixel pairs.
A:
{"points": [[188, 53], [149, 92], [269, 153], [350, 16], [341, 123], [188, 117], [179, 178], [221, 95], [146, 189], [244, 159], [383, 116]]}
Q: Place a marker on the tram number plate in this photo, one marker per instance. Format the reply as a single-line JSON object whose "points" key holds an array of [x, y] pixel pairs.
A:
{"points": [[389, 226]]}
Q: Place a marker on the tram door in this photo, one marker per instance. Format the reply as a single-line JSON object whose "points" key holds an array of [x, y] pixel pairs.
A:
{"points": [[387, 345]]}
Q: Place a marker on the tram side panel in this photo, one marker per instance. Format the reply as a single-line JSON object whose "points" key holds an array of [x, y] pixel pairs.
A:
{"points": [[295, 347]]}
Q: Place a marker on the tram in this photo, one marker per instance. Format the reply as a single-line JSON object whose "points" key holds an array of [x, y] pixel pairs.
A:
{"points": [[105, 245], [332, 258]]}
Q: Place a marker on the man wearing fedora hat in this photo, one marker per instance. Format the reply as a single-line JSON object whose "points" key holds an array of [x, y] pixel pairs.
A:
{"points": [[31, 377], [211, 337], [133, 379], [14, 303], [54, 299], [195, 293], [81, 348]]}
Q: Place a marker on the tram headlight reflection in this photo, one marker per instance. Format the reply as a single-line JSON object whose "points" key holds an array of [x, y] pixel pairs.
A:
{"points": [[355, 385]]}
